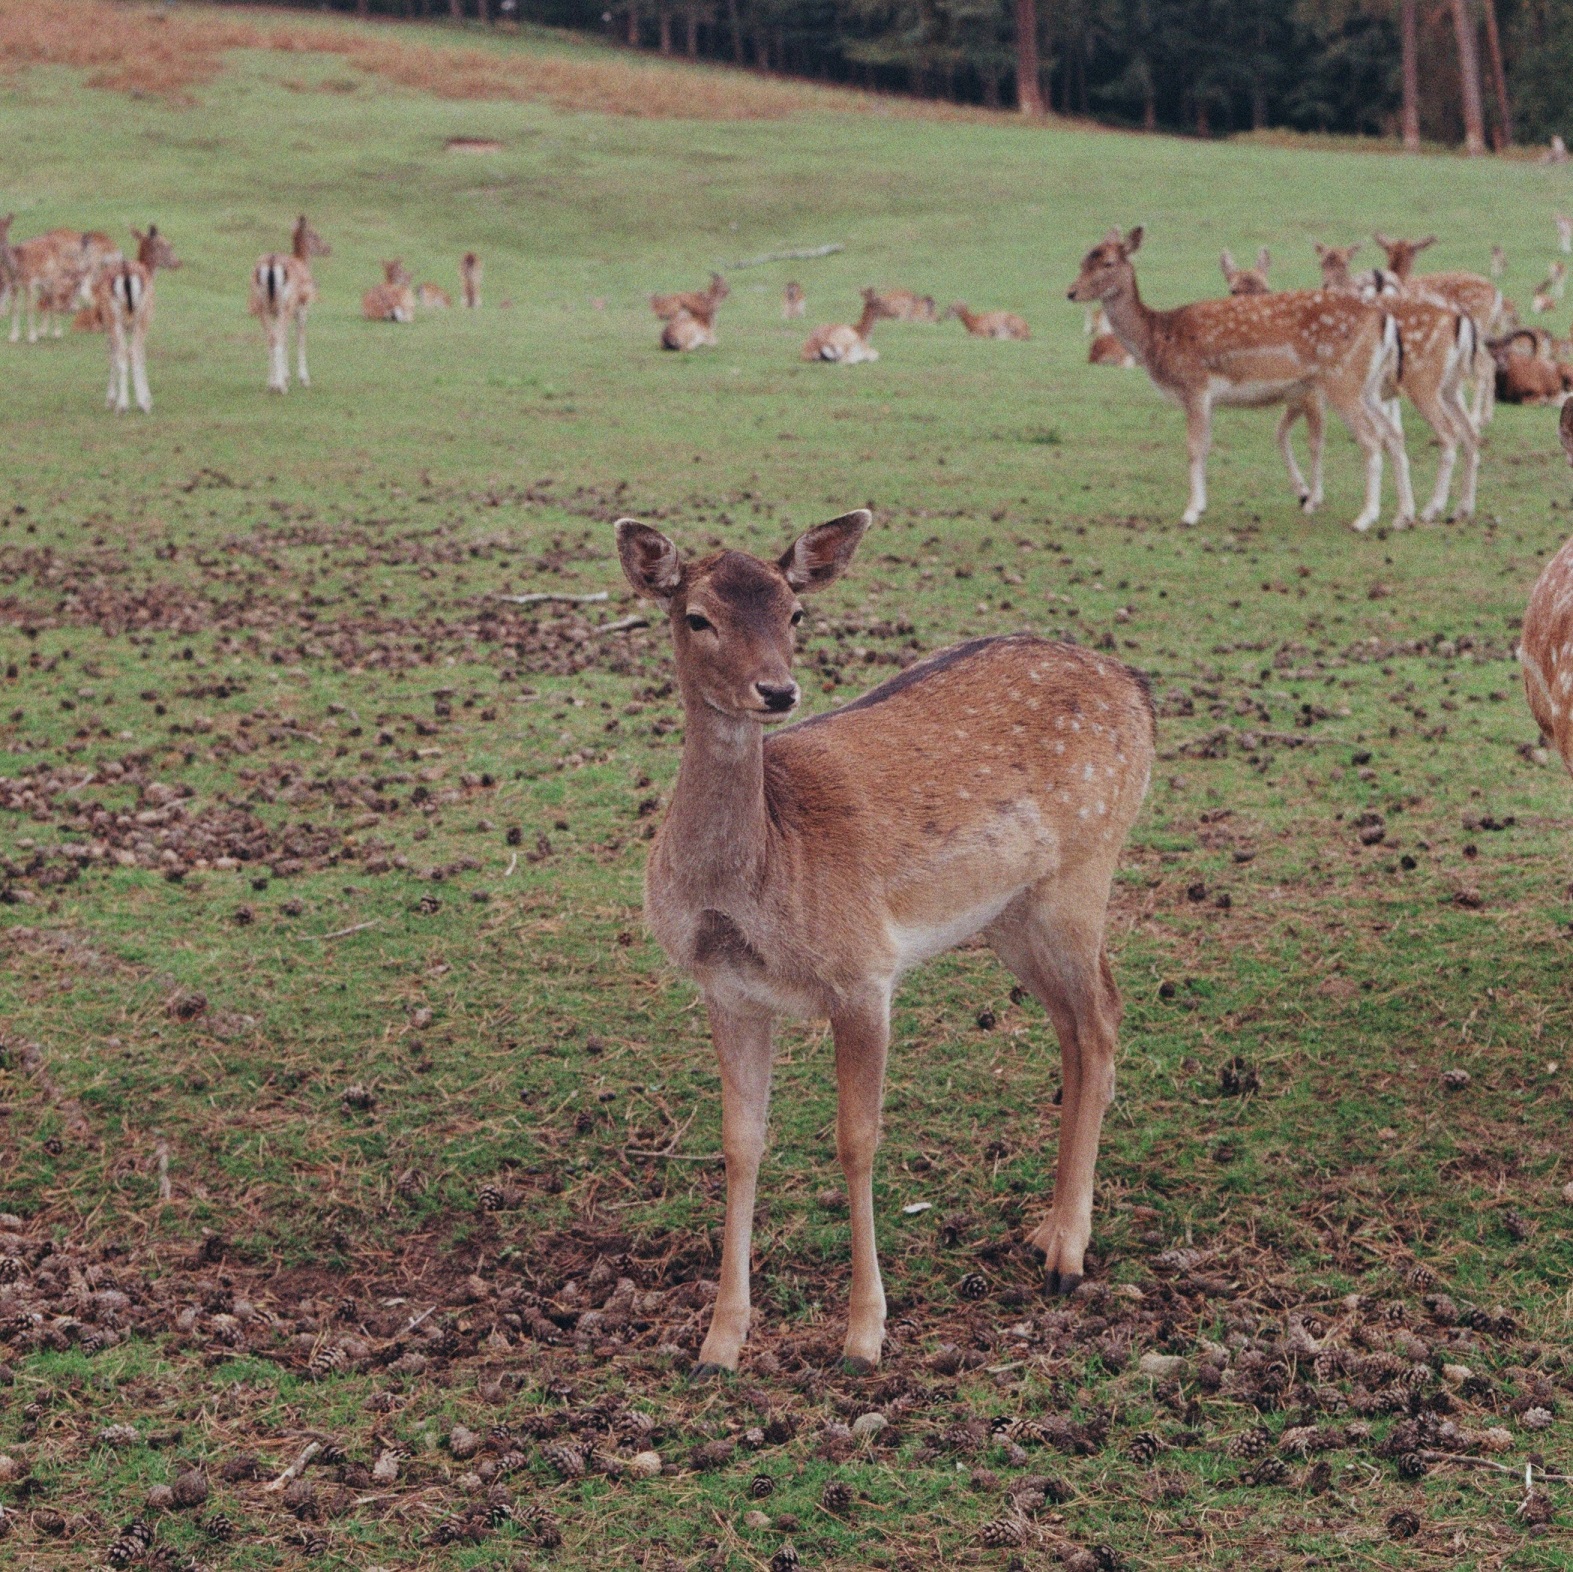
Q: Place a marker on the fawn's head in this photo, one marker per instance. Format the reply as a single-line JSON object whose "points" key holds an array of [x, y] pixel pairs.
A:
{"points": [[395, 272], [308, 243], [719, 288], [1106, 270], [1335, 262], [732, 615], [1401, 254], [153, 250], [1247, 280]]}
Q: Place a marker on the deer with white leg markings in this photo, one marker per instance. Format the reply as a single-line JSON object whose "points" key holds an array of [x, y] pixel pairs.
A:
{"points": [[283, 291], [124, 297], [1545, 646], [1257, 350], [984, 792]]}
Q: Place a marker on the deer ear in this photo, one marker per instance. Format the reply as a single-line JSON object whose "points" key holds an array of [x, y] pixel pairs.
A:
{"points": [[1133, 241], [1226, 263], [1354, 248], [1382, 241], [650, 561], [1420, 245], [821, 556], [1264, 260]]}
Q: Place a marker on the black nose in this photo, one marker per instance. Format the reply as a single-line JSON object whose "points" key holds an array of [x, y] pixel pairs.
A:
{"points": [[1070, 294], [778, 696]]}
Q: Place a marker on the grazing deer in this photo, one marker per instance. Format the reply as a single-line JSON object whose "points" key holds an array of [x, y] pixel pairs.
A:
{"points": [[55, 271], [392, 300], [124, 296], [990, 324], [904, 306], [1478, 297], [1549, 291], [689, 330], [1256, 350], [433, 297], [470, 280], [793, 303], [1529, 369], [984, 792], [1247, 280], [1564, 231], [847, 344], [1105, 349], [697, 302], [1438, 353], [283, 291]]}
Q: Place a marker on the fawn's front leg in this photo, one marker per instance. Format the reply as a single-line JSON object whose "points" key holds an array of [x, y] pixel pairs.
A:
{"points": [[862, 1034]]}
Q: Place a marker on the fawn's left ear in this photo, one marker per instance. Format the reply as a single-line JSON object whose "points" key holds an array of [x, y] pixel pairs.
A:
{"points": [[650, 561], [820, 556]]}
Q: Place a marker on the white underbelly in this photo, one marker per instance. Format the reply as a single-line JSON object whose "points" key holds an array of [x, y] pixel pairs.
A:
{"points": [[918, 943], [1252, 394]]}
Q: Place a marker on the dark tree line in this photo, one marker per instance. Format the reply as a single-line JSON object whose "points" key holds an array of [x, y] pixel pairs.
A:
{"points": [[1478, 72]]}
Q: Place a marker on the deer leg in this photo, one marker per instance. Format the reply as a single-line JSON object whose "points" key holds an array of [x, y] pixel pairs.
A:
{"points": [[1436, 415], [17, 303], [1285, 447], [1316, 436], [1469, 436], [118, 397], [862, 1036], [300, 351], [1198, 440], [139, 366], [742, 1045]]}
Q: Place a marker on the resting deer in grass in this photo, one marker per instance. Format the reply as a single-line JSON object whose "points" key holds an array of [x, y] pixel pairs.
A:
{"points": [[984, 792], [1257, 350], [470, 270], [124, 296], [847, 344], [1549, 291], [1477, 297], [904, 306], [990, 324], [1545, 646], [392, 300], [1247, 280], [433, 297], [1105, 349], [793, 304], [283, 291], [696, 302], [689, 330], [1529, 368]]}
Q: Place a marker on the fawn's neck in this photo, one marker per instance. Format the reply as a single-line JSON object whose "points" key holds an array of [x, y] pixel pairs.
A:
{"points": [[718, 823]]}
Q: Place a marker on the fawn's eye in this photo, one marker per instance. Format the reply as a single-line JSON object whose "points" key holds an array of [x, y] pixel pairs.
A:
{"points": [[696, 623], [797, 616]]}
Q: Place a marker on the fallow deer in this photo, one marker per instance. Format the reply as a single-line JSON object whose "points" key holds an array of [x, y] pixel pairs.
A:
{"points": [[1498, 262], [392, 300], [904, 306], [1438, 353], [696, 302], [1549, 291], [124, 296], [793, 303], [1257, 350], [1105, 349], [1466, 292], [284, 291], [470, 269], [1564, 231], [433, 297], [9, 266], [1545, 646], [1247, 280], [1529, 369], [689, 330], [990, 324], [984, 792], [54, 272], [847, 344]]}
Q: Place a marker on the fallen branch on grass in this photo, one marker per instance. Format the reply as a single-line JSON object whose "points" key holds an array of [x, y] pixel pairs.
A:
{"points": [[296, 1469], [539, 596], [1530, 1471], [801, 254], [339, 933], [623, 624]]}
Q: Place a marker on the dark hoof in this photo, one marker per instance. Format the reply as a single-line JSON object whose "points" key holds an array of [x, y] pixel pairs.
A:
{"points": [[708, 1372], [857, 1365], [1064, 1283], [1036, 1255]]}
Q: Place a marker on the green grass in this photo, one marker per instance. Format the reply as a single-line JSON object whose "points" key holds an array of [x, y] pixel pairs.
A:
{"points": [[318, 568]]}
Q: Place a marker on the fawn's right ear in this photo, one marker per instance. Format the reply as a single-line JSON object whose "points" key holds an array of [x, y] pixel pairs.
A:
{"points": [[1226, 262], [1133, 241], [650, 561]]}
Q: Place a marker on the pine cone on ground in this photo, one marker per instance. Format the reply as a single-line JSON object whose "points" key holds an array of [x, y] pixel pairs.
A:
{"points": [[1412, 1466], [1002, 1531], [218, 1527], [133, 1542], [1403, 1525], [836, 1496], [760, 1486], [786, 1559], [1144, 1447], [1250, 1443], [568, 1461]]}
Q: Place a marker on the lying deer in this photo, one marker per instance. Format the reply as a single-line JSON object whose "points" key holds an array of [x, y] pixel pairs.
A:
{"points": [[283, 291], [1105, 349], [433, 297], [1256, 350], [392, 300], [904, 306], [689, 330], [124, 296], [1528, 368], [793, 304], [697, 302], [984, 792], [847, 344], [1549, 291], [470, 270], [990, 324], [1247, 280]]}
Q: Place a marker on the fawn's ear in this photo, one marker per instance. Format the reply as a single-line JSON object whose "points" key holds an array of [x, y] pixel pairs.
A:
{"points": [[1383, 241], [820, 556], [1133, 241], [1420, 245], [650, 561], [1264, 260], [1226, 262]]}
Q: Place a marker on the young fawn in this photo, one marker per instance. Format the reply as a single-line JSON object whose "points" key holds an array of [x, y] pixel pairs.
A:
{"points": [[392, 300], [905, 306], [847, 343], [793, 304], [433, 297], [990, 324], [984, 792], [1256, 350], [124, 297], [470, 280], [697, 302], [1247, 280], [283, 291], [689, 330], [1545, 646]]}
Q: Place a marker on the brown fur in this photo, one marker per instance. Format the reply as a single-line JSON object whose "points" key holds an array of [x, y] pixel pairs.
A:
{"points": [[1247, 280], [1105, 349], [1529, 369], [433, 297], [847, 343], [392, 300], [470, 270], [123, 297], [986, 791], [283, 290], [689, 330], [990, 324], [698, 302], [793, 305], [904, 306]]}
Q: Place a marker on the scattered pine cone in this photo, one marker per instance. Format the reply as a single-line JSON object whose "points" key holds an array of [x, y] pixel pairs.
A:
{"points": [[543, 1527], [191, 1489], [1144, 1447], [1412, 1466], [1250, 1443], [836, 1496], [786, 1559], [1266, 1471], [1002, 1531], [973, 1286], [219, 1527], [568, 1461], [1538, 1509], [134, 1542], [1403, 1525], [327, 1360], [760, 1486], [10, 1269], [1238, 1078]]}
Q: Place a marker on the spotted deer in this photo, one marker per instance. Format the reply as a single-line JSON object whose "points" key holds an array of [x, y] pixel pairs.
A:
{"points": [[696, 302], [470, 270], [1256, 350], [1545, 646], [985, 792], [793, 303], [990, 324], [56, 272], [689, 330], [1247, 280], [847, 344], [393, 300], [904, 306], [283, 291], [1105, 349], [124, 296]]}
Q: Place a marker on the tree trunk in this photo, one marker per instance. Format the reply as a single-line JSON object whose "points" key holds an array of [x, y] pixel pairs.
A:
{"points": [[1498, 76], [1409, 29], [666, 31], [737, 31], [363, 9], [1469, 78], [1029, 95], [692, 20], [481, 12], [633, 24], [456, 10], [1149, 100]]}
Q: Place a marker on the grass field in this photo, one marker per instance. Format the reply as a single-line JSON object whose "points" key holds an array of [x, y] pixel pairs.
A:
{"points": [[342, 1096]]}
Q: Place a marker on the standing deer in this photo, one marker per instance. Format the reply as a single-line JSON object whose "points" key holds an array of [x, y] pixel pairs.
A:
{"points": [[1545, 646], [54, 272], [984, 792], [9, 264], [392, 300], [1247, 280], [470, 280], [846, 343], [1549, 291], [695, 302], [793, 304], [124, 297], [1256, 350], [904, 306], [284, 291], [990, 324]]}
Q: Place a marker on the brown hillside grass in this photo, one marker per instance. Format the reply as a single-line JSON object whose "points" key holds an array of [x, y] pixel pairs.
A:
{"points": [[134, 48]]}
